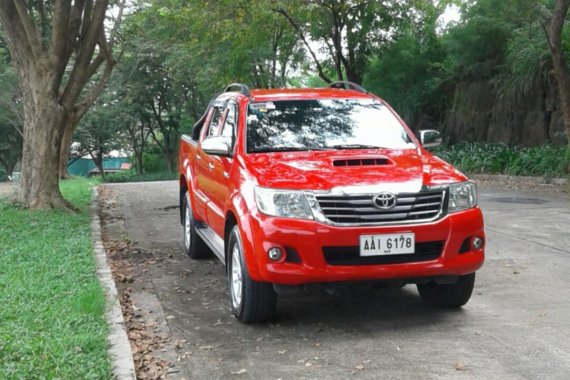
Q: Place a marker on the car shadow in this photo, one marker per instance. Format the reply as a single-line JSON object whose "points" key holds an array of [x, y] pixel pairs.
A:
{"points": [[354, 305]]}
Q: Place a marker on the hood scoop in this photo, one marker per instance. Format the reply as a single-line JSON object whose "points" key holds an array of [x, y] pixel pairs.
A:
{"points": [[379, 161]]}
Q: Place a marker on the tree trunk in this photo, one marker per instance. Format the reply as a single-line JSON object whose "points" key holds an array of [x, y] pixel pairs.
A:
{"points": [[139, 158], [169, 161], [99, 163], [554, 35], [43, 133], [64, 155]]}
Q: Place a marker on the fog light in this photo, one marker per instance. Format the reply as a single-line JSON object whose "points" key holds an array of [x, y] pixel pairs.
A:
{"points": [[275, 254], [477, 243]]}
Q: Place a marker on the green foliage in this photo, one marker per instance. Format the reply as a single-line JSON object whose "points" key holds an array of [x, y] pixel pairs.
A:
{"points": [[406, 72], [153, 162], [11, 114], [53, 325], [180, 53], [527, 63], [348, 31], [101, 130], [500, 159]]}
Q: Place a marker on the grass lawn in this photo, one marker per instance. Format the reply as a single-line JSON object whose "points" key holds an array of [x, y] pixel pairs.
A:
{"points": [[52, 324]]}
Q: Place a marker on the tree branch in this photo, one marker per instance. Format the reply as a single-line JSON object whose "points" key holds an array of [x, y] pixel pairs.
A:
{"points": [[29, 28], [113, 35], [79, 75], [74, 27], [95, 91], [557, 23], [60, 30], [305, 42], [15, 34]]}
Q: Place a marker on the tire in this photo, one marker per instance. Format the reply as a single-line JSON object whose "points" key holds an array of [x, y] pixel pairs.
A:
{"points": [[251, 301], [448, 296], [194, 247]]}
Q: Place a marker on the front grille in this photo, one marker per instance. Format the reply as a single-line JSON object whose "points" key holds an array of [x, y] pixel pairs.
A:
{"points": [[351, 255], [360, 209]]}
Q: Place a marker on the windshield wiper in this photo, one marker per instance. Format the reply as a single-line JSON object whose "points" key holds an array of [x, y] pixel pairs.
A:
{"points": [[355, 146], [285, 149]]}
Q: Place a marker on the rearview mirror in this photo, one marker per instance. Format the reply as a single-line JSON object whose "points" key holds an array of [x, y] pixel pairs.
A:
{"points": [[217, 146], [430, 138]]}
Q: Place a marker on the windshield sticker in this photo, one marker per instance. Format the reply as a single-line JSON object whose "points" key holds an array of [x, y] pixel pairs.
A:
{"points": [[262, 107]]}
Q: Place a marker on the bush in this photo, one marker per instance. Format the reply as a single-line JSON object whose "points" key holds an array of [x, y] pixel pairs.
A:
{"points": [[154, 162], [500, 159], [132, 176]]}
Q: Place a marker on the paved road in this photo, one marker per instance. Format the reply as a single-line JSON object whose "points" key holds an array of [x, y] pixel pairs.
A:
{"points": [[516, 326]]}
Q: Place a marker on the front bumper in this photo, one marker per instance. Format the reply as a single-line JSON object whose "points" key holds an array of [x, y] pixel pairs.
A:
{"points": [[307, 238]]}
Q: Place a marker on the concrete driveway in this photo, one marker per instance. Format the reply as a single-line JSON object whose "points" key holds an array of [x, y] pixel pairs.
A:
{"points": [[516, 326]]}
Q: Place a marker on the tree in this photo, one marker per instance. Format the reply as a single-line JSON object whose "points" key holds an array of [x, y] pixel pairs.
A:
{"points": [[348, 31], [554, 30], [98, 133], [407, 71], [56, 47], [138, 138], [160, 96]]}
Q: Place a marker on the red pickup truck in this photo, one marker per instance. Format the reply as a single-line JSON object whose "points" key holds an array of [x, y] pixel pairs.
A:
{"points": [[299, 186]]}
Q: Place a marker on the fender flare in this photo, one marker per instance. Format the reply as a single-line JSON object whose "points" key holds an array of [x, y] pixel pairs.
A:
{"points": [[237, 206], [186, 183]]}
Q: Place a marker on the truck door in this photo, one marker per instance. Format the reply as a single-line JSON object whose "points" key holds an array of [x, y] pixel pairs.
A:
{"points": [[205, 185], [220, 174]]}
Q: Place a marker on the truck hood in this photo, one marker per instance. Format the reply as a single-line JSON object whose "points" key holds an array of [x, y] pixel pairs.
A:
{"points": [[363, 170]]}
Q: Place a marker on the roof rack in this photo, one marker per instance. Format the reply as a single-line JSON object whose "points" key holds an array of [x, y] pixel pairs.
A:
{"points": [[347, 85], [243, 89]]}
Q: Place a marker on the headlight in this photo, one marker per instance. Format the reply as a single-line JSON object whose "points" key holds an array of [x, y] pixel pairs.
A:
{"points": [[462, 196], [284, 203]]}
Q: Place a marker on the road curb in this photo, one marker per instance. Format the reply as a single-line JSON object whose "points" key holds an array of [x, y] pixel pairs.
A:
{"points": [[534, 180], [120, 352]]}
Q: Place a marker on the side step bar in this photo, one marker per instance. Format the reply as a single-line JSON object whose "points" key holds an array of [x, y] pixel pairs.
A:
{"points": [[213, 241]]}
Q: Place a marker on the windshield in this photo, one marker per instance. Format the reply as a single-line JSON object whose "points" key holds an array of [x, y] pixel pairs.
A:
{"points": [[323, 124]]}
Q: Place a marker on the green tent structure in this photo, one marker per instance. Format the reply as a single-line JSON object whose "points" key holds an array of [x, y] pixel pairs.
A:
{"points": [[83, 167]]}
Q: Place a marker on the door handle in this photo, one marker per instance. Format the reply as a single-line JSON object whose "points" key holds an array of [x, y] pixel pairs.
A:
{"points": [[226, 175], [210, 165], [198, 158]]}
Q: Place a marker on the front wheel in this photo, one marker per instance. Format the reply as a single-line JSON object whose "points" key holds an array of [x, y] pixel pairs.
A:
{"points": [[448, 296], [252, 301]]}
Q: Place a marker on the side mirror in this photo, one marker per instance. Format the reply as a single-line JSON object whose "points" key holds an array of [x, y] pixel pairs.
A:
{"points": [[217, 146], [430, 138]]}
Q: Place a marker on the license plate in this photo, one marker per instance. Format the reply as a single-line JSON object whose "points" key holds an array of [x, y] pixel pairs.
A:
{"points": [[393, 244]]}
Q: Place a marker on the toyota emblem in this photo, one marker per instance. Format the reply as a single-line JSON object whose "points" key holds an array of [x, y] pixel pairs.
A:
{"points": [[385, 200]]}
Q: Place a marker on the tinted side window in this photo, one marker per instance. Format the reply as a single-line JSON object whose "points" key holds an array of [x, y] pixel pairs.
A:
{"points": [[214, 127], [230, 126]]}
